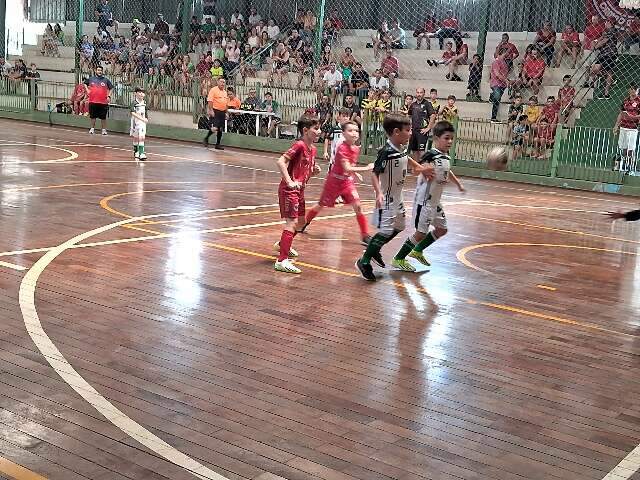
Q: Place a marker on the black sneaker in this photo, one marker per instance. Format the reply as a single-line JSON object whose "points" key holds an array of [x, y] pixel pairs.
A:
{"points": [[377, 258], [205, 143], [366, 270], [365, 241], [219, 147]]}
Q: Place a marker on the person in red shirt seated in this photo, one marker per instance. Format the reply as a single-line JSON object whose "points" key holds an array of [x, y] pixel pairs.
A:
{"points": [[593, 32], [566, 95], [447, 55], [545, 42], [532, 72], [423, 30], [570, 43], [461, 57], [449, 28], [80, 98], [545, 136], [632, 35], [511, 50], [390, 68], [550, 112]]}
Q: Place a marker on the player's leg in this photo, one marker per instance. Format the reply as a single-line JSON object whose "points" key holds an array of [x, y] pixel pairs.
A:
{"points": [[292, 211], [134, 136], [141, 137], [311, 214], [103, 118], [330, 192], [283, 262], [351, 197], [439, 231], [384, 219]]}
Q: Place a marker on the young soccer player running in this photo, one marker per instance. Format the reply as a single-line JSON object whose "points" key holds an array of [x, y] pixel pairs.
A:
{"points": [[138, 129], [296, 166], [389, 173], [427, 209], [339, 181]]}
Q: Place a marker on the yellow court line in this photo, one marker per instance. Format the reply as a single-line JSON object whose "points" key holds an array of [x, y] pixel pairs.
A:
{"points": [[547, 287], [462, 253], [17, 471]]}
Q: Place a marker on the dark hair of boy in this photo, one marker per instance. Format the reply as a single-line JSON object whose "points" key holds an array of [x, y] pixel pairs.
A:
{"points": [[565, 77], [344, 112], [139, 90], [522, 118], [533, 98], [347, 123], [268, 94], [442, 127], [451, 97], [551, 97], [519, 96], [433, 90], [394, 121], [307, 121], [231, 89]]}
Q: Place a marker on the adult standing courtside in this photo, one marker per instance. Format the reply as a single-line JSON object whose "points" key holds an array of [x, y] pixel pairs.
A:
{"points": [[99, 96], [218, 101], [423, 117]]}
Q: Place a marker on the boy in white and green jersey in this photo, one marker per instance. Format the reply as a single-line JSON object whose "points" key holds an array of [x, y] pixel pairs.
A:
{"points": [[139, 121]]}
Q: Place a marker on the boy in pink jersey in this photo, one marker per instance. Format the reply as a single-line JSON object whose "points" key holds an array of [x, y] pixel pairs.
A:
{"points": [[296, 166], [339, 181]]}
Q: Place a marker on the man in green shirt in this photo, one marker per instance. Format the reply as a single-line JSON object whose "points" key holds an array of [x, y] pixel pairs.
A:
{"points": [[270, 122]]}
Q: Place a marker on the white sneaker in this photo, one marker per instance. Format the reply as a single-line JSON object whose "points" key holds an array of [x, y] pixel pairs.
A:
{"points": [[136, 155], [286, 266], [92, 131], [143, 156], [104, 132], [292, 252]]}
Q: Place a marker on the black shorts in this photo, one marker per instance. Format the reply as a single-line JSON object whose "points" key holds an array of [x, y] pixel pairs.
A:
{"points": [[98, 110], [607, 62], [217, 119], [418, 141]]}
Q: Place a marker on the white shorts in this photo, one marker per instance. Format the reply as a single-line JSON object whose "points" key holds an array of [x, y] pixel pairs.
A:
{"points": [[389, 220], [628, 139], [426, 215], [138, 129]]}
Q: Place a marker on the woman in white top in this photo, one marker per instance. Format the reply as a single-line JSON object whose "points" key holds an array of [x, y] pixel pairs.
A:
{"points": [[232, 54], [272, 29], [253, 39]]}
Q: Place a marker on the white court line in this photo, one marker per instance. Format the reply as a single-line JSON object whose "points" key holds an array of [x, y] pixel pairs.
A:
{"points": [[13, 266], [63, 368]]}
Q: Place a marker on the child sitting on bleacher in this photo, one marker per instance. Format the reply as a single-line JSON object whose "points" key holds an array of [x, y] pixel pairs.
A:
{"points": [[516, 109], [475, 78], [450, 110]]}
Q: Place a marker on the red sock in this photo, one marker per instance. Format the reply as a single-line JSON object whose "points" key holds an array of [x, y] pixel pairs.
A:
{"points": [[311, 214], [363, 224], [285, 244]]}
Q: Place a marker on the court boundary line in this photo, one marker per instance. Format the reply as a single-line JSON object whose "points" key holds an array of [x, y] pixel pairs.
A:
{"points": [[17, 471]]}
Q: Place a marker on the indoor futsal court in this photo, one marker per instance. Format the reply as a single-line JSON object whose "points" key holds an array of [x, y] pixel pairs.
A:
{"points": [[146, 335]]}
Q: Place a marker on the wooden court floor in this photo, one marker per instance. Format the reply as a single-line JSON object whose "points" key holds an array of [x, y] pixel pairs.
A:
{"points": [[145, 335]]}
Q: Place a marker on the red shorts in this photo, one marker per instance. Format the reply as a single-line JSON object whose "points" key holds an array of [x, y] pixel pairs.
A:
{"points": [[291, 202], [336, 187]]}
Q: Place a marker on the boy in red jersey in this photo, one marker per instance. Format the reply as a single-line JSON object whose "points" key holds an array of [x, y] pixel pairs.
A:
{"points": [[296, 166], [339, 181]]}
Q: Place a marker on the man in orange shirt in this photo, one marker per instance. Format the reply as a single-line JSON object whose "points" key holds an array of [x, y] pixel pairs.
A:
{"points": [[218, 100], [234, 104]]}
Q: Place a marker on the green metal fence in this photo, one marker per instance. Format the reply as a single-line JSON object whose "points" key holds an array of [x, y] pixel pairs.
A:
{"points": [[15, 95]]}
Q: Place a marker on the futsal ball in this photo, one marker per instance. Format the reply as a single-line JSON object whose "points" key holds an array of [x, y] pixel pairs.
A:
{"points": [[497, 159]]}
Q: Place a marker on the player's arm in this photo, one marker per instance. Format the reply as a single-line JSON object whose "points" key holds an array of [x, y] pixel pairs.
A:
{"points": [[327, 143], [378, 168], [432, 122], [283, 165], [631, 216], [456, 181], [348, 167], [137, 116]]}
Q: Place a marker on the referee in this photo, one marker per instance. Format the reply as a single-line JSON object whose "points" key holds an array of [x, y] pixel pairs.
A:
{"points": [[218, 100]]}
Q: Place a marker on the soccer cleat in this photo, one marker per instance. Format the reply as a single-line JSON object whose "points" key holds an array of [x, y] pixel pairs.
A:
{"points": [[136, 156], [366, 270], [104, 132], [219, 147], [143, 157], [286, 266], [92, 131], [377, 259], [419, 257], [292, 252], [402, 264], [365, 241]]}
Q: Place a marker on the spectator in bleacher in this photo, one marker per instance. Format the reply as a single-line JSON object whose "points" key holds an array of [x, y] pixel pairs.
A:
{"points": [[433, 99], [5, 68], [204, 65], [161, 28], [450, 110], [273, 30], [390, 68], [104, 14], [423, 29], [49, 42], [253, 40], [449, 28], [545, 42], [607, 47], [19, 71], [447, 55], [516, 109], [532, 72], [194, 32], [632, 33], [381, 39], [511, 50], [298, 20], [208, 31], [332, 81], [59, 33], [279, 63], [160, 54], [359, 81], [569, 44], [324, 112], [217, 71], [236, 15], [498, 81], [32, 74], [309, 24], [398, 35], [461, 57], [80, 98], [475, 78], [233, 103], [627, 124], [254, 17], [549, 112], [378, 82], [593, 32], [232, 56], [533, 111], [294, 41], [353, 107], [304, 65], [86, 52], [406, 105], [270, 122], [566, 95]]}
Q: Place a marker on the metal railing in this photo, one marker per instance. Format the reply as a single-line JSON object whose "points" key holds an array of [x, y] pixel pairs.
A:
{"points": [[15, 95]]}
